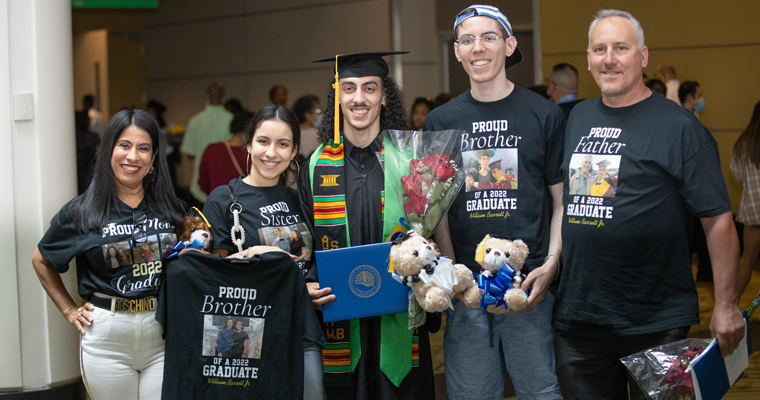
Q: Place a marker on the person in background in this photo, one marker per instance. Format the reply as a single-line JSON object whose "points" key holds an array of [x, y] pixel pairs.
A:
{"points": [[563, 87], [278, 95], [309, 113], [690, 95], [745, 167], [420, 110], [224, 161], [87, 148], [122, 351], [665, 72], [211, 125], [657, 86], [97, 124], [234, 106], [442, 99]]}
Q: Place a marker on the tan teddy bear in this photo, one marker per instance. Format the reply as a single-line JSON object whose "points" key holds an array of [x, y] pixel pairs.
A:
{"points": [[435, 281], [492, 254]]}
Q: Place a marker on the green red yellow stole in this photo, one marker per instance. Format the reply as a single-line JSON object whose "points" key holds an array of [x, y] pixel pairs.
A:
{"points": [[399, 346]]}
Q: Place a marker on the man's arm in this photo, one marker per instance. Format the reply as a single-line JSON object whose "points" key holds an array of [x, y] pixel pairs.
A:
{"points": [[727, 323], [541, 278]]}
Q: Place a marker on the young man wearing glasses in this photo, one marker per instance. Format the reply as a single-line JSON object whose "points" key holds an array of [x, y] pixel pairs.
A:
{"points": [[525, 132]]}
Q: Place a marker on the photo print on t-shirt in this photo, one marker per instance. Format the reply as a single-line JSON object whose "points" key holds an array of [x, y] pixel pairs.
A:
{"points": [[232, 337], [167, 242], [147, 251], [117, 254], [490, 169], [603, 172], [294, 239]]}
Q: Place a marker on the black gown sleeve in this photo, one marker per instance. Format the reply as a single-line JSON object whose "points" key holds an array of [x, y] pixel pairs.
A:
{"points": [[306, 202]]}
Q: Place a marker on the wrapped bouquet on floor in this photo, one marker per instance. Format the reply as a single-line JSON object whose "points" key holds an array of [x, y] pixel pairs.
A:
{"points": [[690, 369]]}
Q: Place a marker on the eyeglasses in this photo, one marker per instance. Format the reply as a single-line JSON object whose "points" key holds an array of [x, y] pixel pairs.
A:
{"points": [[139, 235], [487, 40]]}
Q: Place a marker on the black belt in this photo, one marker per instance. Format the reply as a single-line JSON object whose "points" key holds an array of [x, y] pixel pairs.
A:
{"points": [[124, 305]]}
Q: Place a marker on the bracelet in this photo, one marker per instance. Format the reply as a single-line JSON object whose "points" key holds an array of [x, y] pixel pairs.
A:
{"points": [[547, 259]]}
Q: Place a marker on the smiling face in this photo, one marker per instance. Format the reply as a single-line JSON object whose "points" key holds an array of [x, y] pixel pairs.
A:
{"points": [[601, 172], [361, 100], [131, 158], [229, 324], [483, 64], [484, 161], [586, 165], [614, 58], [112, 252], [294, 235], [271, 151], [239, 326]]}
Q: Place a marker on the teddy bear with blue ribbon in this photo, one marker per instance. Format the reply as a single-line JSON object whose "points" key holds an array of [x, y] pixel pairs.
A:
{"points": [[501, 260]]}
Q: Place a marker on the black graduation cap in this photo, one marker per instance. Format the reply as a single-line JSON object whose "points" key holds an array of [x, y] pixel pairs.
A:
{"points": [[356, 65]]}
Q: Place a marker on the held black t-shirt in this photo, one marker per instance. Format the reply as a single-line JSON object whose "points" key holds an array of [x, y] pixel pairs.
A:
{"points": [[266, 295], [109, 261], [520, 135], [626, 257], [270, 215]]}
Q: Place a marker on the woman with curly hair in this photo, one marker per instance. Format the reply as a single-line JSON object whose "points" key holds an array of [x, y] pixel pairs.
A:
{"points": [[745, 166]]}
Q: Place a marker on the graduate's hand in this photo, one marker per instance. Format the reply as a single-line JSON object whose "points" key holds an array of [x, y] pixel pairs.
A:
{"points": [[80, 317], [435, 247], [319, 296]]}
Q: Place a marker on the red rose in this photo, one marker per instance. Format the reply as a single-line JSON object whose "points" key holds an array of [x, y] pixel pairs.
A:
{"points": [[419, 202], [443, 171], [415, 166], [408, 209], [407, 182]]}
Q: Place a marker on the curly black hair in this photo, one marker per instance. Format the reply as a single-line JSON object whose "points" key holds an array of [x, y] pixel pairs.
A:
{"points": [[392, 114]]}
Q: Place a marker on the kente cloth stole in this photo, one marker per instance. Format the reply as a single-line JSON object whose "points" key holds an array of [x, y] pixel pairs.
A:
{"points": [[343, 349]]}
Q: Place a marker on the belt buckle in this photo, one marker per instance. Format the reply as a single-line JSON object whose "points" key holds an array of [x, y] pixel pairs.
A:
{"points": [[133, 305]]}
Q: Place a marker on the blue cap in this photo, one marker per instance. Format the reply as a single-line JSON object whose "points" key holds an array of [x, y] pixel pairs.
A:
{"points": [[476, 10], [479, 10]]}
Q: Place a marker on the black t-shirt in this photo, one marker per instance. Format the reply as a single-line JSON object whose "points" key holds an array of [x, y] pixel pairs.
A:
{"points": [[266, 212], [524, 132], [108, 261], [626, 259], [267, 295]]}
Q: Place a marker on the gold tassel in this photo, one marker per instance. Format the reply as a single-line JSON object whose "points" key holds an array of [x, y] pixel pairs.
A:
{"points": [[202, 216], [336, 122], [481, 250]]}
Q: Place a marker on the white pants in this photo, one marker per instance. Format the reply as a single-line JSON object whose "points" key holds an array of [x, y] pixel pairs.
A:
{"points": [[122, 356]]}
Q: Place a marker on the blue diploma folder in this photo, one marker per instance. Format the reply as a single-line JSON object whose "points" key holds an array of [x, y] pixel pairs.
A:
{"points": [[361, 283], [714, 375]]}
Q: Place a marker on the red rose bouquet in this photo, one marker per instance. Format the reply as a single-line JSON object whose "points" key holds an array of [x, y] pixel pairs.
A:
{"points": [[666, 372], [423, 174]]}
